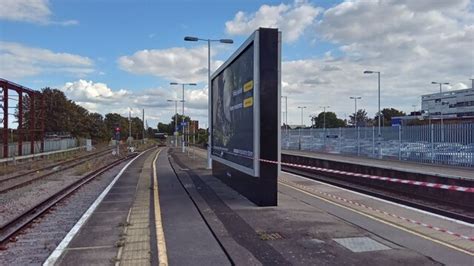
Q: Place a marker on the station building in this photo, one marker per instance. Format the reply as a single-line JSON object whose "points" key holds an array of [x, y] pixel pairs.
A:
{"points": [[449, 104]]}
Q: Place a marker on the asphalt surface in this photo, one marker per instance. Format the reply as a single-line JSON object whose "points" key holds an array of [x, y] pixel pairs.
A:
{"points": [[188, 239]]}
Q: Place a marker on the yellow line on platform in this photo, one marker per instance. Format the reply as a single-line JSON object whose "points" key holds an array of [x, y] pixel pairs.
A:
{"points": [[379, 220], [160, 234]]}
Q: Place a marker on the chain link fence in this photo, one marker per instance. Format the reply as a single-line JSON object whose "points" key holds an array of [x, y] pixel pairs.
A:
{"points": [[450, 144]]}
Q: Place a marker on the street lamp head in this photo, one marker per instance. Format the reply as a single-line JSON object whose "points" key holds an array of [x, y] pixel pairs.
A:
{"points": [[368, 72], [226, 41], [446, 83], [191, 39], [434, 82], [192, 84], [173, 83]]}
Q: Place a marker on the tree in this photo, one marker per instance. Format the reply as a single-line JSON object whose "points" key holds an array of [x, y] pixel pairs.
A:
{"points": [[362, 118], [331, 120], [387, 114]]}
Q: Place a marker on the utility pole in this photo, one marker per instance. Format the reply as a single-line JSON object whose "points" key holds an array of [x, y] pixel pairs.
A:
{"points": [[355, 98], [143, 126], [129, 127], [324, 115], [302, 125]]}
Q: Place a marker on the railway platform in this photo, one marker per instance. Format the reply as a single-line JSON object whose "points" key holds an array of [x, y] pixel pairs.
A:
{"points": [[166, 208], [396, 165]]}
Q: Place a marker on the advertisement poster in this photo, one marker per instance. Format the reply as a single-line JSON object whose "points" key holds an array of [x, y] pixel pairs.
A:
{"points": [[233, 111]]}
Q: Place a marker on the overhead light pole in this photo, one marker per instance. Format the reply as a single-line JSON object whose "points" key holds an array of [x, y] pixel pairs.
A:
{"points": [[302, 125], [355, 98], [286, 116], [129, 126], [379, 114], [195, 39], [175, 132], [324, 115], [182, 100], [440, 85], [442, 105]]}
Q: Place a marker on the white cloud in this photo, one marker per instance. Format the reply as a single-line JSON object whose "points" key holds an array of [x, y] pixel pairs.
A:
{"points": [[411, 42], [175, 64], [292, 19], [88, 91], [20, 61], [34, 11], [98, 97]]}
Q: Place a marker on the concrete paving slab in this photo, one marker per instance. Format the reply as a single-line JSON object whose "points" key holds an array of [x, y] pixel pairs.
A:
{"points": [[308, 225]]}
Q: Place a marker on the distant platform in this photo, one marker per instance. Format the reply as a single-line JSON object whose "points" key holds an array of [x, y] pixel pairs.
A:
{"points": [[404, 166]]}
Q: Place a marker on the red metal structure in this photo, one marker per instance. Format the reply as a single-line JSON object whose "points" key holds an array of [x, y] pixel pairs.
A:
{"points": [[32, 127]]}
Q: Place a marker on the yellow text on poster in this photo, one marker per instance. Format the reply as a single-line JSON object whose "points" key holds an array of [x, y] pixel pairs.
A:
{"points": [[248, 102], [248, 86]]}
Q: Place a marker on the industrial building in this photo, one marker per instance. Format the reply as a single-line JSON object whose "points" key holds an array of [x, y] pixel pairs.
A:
{"points": [[449, 104]]}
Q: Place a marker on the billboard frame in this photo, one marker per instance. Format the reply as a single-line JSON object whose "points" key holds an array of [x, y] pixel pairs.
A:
{"points": [[252, 40], [260, 184]]}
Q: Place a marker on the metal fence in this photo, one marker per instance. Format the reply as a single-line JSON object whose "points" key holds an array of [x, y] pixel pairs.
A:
{"points": [[450, 144], [49, 145]]}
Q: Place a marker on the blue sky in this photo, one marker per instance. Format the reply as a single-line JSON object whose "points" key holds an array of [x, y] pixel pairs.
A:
{"points": [[113, 55]]}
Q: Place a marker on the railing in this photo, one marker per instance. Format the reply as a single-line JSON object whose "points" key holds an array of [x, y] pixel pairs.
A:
{"points": [[450, 144], [49, 145]]}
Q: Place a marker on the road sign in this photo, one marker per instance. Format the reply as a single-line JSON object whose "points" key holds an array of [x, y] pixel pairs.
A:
{"points": [[183, 123]]}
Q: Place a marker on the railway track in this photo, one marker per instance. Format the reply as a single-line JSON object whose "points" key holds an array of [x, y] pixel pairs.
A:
{"points": [[55, 168], [397, 197], [10, 229]]}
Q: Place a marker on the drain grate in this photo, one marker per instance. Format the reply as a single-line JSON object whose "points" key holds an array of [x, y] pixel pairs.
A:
{"points": [[265, 236], [360, 244]]}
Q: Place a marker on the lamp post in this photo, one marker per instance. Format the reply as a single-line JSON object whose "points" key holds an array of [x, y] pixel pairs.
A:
{"points": [[195, 39], [302, 125], [379, 114], [183, 84], [324, 115], [175, 121], [286, 118], [355, 98], [440, 85], [129, 126], [442, 105]]}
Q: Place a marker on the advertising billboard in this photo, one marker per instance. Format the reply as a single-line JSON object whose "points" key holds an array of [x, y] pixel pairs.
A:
{"points": [[245, 118], [233, 112]]}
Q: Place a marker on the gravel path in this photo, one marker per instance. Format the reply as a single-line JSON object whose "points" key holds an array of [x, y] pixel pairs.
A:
{"points": [[38, 241]]}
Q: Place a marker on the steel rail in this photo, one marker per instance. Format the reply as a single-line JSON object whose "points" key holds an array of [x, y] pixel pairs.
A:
{"points": [[9, 229], [74, 162], [51, 166]]}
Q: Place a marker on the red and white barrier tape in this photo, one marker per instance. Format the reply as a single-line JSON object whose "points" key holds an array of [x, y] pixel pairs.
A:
{"points": [[383, 178], [470, 238]]}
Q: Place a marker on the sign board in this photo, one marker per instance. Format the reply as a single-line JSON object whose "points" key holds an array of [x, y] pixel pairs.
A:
{"points": [[245, 118], [233, 120], [183, 123]]}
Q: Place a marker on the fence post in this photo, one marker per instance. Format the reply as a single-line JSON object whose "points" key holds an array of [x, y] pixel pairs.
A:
{"points": [[399, 142], [432, 143], [299, 142], [373, 141], [340, 139], [358, 141]]}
